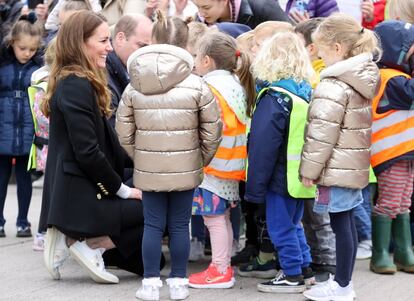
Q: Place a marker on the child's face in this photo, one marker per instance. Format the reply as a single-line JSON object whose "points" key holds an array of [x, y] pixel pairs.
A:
{"points": [[25, 47], [331, 54], [212, 10], [203, 64]]}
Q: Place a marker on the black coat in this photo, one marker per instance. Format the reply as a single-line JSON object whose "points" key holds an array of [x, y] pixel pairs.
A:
{"points": [[118, 79], [84, 165]]}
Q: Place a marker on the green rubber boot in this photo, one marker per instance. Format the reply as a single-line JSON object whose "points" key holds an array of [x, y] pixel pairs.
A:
{"points": [[381, 262], [403, 251]]}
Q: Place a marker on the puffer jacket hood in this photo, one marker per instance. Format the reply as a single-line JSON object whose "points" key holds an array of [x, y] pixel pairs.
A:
{"points": [[396, 39], [158, 68], [168, 120], [337, 146], [359, 72]]}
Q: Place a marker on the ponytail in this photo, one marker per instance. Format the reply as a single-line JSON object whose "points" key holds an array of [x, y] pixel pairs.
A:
{"points": [[246, 80], [172, 31]]}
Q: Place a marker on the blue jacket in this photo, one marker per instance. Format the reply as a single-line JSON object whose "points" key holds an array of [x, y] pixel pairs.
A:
{"points": [[396, 39], [315, 8], [267, 141], [118, 79], [16, 121]]}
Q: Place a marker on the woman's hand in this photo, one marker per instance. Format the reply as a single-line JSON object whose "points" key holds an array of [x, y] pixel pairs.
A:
{"points": [[307, 182], [298, 17], [367, 10], [135, 194]]}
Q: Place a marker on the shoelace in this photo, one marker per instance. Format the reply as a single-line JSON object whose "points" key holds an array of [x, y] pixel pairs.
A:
{"points": [[280, 275], [99, 260]]}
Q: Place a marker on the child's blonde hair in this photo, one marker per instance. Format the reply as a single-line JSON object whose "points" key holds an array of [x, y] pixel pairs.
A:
{"points": [[402, 10], [245, 41], [196, 31], [283, 56], [345, 30], [50, 52], [269, 28], [222, 49]]}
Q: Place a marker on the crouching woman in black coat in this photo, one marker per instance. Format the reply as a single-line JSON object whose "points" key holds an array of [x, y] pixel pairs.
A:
{"points": [[91, 214]]}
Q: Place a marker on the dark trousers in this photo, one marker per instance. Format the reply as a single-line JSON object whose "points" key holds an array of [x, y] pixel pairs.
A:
{"points": [[24, 187], [343, 225], [171, 209]]}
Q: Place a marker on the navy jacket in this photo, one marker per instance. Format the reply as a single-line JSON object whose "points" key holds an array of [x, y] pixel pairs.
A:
{"points": [[16, 121], [118, 79], [267, 142], [396, 39]]}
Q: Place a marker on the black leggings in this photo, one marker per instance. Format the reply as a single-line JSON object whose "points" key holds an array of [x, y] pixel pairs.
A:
{"points": [[343, 226]]}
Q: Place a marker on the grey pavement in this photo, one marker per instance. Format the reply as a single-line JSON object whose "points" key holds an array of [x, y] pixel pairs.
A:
{"points": [[23, 276]]}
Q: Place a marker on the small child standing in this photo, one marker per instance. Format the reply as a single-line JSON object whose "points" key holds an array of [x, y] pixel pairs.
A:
{"points": [[392, 152], [232, 85], [169, 122], [336, 154], [282, 70], [38, 152], [17, 63]]}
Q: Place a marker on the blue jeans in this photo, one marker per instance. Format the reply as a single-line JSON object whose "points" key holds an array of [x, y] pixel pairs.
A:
{"points": [[24, 187], [161, 209], [283, 216], [362, 214]]}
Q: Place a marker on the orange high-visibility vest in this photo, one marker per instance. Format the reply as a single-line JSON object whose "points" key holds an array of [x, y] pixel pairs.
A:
{"points": [[392, 131], [229, 162]]}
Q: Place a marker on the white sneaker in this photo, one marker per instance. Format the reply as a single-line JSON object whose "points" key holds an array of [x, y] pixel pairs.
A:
{"points": [[330, 291], [196, 250], [56, 251], [39, 242], [178, 288], [150, 289], [92, 261], [364, 250]]}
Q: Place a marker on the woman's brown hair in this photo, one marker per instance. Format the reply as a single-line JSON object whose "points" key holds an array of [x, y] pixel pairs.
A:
{"points": [[222, 48], [71, 58]]}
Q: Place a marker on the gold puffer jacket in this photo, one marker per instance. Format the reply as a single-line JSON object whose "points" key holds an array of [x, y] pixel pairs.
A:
{"points": [[338, 133], [168, 120]]}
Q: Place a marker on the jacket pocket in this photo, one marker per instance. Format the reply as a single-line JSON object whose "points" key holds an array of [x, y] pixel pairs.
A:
{"points": [[73, 168]]}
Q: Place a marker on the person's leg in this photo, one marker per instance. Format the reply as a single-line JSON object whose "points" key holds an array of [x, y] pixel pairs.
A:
{"points": [[179, 214], [362, 216], [345, 246], [235, 215], [24, 190], [198, 228], [304, 247], [219, 238], [5, 172], [354, 239], [155, 219], [282, 229], [320, 238]]}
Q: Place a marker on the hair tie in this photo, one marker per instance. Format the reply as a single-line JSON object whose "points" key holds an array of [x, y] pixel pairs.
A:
{"points": [[30, 17], [237, 53], [362, 30]]}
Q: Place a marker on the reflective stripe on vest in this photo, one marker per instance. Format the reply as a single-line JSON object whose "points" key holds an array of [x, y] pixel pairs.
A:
{"points": [[392, 131], [229, 162], [296, 140]]}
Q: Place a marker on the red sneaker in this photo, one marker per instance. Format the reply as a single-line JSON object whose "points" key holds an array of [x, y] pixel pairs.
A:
{"points": [[212, 278]]}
